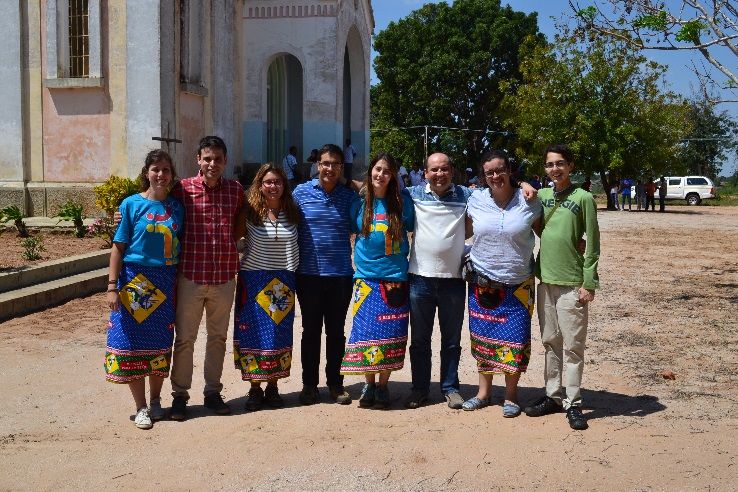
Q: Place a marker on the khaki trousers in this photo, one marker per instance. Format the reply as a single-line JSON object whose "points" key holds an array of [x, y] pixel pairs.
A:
{"points": [[563, 321], [192, 300]]}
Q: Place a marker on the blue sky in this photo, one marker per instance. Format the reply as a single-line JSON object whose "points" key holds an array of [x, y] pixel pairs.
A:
{"points": [[679, 76]]}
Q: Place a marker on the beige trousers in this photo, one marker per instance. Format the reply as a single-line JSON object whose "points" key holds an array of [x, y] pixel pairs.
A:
{"points": [[563, 321], [192, 299]]}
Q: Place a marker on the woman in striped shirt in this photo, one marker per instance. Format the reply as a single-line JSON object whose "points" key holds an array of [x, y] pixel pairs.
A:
{"points": [[265, 293]]}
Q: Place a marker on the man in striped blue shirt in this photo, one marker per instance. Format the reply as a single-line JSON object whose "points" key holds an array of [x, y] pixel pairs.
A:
{"points": [[324, 277]]}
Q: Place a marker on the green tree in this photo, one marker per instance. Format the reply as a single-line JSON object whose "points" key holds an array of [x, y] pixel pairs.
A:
{"points": [[708, 29], [712, 137], [442, 66], [603, 99]]}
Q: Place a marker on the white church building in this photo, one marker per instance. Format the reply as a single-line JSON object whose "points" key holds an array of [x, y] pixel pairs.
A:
{"points": [[92, 85]]}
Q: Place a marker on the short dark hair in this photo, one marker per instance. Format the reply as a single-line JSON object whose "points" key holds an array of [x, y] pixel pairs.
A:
{"points": [[212, 142], [152, 158], [331, 149], [559, 148]]}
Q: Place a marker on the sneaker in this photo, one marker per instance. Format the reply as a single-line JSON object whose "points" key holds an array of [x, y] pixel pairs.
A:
{"points": [[179, 408], [271, 396], [381, 398], [256, 398], [215, 402], [454, 400], [367, 395], [155, 410], [340, 395], [576, 418], [475, 404], [309, 394], [543, 406], [416, 398], [143, 419]]}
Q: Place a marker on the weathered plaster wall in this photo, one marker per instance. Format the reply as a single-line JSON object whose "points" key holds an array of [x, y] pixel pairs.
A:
{"points": [[191, 129], [11, 104]]}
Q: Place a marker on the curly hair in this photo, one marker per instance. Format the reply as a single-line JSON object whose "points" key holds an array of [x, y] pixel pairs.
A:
{"points": [[257, 209], [394, 202]]}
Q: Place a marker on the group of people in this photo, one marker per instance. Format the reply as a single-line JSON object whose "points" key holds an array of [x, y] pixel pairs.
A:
{"points": [[297, 247], [644, 194]]}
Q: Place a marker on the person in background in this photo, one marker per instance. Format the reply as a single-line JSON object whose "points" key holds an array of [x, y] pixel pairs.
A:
{"points": [[640, 190], [587, 185], [501, 294], [472, 180], [265, 294], [313, 160], [289, 164], [650, 194], [402, 174], [614, 186], [381, 221], [568, 280], [662, 193], [416, 175], [625, 190], [349, 153], [141, 285], [535, 182]]}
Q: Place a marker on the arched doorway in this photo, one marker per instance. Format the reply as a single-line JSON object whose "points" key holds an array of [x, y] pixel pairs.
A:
{"points": [[284, 107]]}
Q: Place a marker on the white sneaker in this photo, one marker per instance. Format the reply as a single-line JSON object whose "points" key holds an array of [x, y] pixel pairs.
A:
{"points": [[143, 419], [155, 409]]}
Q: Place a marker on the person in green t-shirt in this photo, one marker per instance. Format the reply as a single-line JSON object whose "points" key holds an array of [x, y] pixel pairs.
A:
{"points": [[568, 282]]}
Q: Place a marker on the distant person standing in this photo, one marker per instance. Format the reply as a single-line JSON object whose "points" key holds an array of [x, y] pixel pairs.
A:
{"points": [[289, 164], [662, 193], [416, 175], [587, 185], [651, 194], [313, 160], [625, 186], [614, 193], [640, 195], [349, 152]]}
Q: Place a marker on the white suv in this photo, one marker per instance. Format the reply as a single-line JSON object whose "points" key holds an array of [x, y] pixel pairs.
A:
{"points": [[693, 189]]}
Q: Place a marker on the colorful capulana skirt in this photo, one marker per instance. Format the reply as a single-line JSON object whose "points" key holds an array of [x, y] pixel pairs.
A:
{"points": [[141, 333], [379, 333], [499, 323], [262, 328]]}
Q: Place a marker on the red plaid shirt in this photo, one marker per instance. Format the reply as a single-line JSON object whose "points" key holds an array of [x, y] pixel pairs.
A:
{"points": [[208, 253]]}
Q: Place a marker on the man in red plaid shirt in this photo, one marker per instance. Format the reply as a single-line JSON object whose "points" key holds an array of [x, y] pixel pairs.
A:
{"points": [[208, 263]]}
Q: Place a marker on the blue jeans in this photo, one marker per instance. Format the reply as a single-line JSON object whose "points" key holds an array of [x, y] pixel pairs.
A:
{"points": [[449, 296]]}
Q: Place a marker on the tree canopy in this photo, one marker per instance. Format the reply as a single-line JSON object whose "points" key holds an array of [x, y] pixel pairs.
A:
{"points": [[712, 137], [707, 28], [442, 66], [603, 99]]}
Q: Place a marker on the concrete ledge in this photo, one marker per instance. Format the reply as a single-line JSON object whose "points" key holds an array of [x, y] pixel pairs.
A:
{"points": [[41, 296], [51, 270]]}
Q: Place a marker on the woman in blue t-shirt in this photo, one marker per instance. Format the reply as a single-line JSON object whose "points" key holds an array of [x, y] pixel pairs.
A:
{"points": [[381, 220], [141, 281]]}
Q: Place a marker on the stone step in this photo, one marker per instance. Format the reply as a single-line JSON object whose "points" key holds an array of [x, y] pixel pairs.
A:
{"points": [[52, 270], [43, 295]]}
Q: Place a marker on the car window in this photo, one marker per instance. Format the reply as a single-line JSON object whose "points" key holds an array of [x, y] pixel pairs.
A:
{"points": [[697, 181], [675, 181]]}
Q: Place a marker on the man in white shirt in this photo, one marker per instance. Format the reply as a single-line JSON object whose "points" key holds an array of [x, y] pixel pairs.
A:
{"points": [[349, 152]]}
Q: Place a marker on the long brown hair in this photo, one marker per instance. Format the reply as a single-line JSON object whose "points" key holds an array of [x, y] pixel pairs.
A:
{"points": [[258, 209], [394, 202]]}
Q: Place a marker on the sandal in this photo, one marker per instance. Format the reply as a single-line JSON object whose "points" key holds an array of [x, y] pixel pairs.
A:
{"points": [[271, 396], [510, 410], [475, 404]]}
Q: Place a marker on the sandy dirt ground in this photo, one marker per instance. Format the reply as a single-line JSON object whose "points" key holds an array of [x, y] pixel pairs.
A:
{"points": [[668, 300], [58, 243]]}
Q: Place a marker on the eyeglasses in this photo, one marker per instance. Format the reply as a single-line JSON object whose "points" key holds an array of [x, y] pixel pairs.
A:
{"points": [[277, 182], [330, 165], [557, 165], [490, 174]]}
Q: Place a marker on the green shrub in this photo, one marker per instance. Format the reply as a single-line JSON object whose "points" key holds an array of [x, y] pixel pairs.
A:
{"points": [[33, 246], [14, 213], [73, 212]]}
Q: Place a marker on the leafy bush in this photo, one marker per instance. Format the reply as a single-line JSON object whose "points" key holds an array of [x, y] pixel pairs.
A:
{"points": [[33, 246], [73, 212], [110, 194], [14, 213]]}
